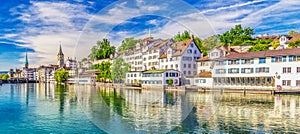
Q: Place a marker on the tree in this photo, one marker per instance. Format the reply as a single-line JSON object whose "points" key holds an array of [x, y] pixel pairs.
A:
{"points": [[259, 47], [292, 33], [294, 44], [170, 82], [128, 43], [211, 42], [61, 75], [275, 44], [198, 42], [182, 37], [4, 76], [236, 33], [102, 50], [104, 71], [119, 69]]}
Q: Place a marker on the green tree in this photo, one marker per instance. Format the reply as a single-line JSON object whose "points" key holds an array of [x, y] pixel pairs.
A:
{"points": [[128, 43], [292, 33], [104, 70], [236, 33], [102, 50], [119, 69], [4, 76], [259, 47], [170, 82], [275, 44], [182, 37], [294, 44], [211, 42], [61, 75]]}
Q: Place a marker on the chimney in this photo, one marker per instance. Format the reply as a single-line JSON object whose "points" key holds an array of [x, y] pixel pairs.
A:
{"points": [[192, 37]]}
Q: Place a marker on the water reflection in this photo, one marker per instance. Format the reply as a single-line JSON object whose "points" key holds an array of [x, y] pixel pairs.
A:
{"points": [[47, 108]]}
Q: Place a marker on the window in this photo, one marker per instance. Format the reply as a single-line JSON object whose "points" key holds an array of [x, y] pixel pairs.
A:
{"points": [[192, 45], [233, 70], [189, 72], [297, 82], [247, 70], [298, 69], [194, 66], [167, 74], [184, 65], [262, 60], [184, 72], [286, 82], [189, 65], [220, 71], [286, 70], [195, 51], [189, 51], [262, 70], [234, 62]]}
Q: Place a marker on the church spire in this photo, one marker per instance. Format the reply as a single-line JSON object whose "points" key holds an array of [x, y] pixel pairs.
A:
{"points": [[60, 50], [26, 60], [149, 33], [60, 57]]}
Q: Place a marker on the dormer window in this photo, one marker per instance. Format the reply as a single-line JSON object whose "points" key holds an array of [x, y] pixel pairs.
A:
{"points": [[192, 45]]}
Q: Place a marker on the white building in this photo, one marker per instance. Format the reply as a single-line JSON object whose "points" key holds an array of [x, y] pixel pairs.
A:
{"points": [[150, 57], [135, 57], [159, 78], [133, 77], [181, 56], [72, 64], [264, 69]]}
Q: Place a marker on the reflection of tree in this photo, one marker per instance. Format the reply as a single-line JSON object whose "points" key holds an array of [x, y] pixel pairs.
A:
{"points": [[114, 100], [60, 93]]}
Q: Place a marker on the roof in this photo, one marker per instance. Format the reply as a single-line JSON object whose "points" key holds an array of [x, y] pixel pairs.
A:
{"points": [[226, 49], [294, 38], [160, 44], [179, 48], [205, 58], [205, 74], [158, 71], [268, 53]]}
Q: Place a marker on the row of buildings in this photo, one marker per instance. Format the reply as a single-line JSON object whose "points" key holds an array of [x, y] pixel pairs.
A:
{"points": [[154, 62], [44, 73]]}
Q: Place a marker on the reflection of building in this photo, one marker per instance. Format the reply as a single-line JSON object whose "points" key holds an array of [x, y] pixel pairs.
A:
{"points": [[259, 69]]}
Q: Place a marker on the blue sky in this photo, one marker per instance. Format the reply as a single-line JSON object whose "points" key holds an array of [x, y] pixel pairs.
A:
{"points": [[40, 26]]}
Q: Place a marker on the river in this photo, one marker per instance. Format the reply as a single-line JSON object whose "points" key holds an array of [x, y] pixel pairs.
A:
{"points": [[48, 108]]}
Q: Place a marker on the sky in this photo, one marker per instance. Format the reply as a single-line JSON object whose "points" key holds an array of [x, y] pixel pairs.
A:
{"points": [[39, 27]]}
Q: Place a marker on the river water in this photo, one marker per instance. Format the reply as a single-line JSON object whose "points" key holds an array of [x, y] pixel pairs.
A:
{"points": [[48, 108]]}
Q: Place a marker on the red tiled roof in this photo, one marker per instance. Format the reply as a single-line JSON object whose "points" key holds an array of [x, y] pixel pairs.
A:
{"points": [[205, 74], [294, 38], [268, 53], [179, 48], [205, 58]]}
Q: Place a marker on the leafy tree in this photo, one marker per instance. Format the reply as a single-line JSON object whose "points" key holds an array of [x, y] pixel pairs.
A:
{"points": [[4, 76], [198, 42], [104, 71], [236, 33], [294, 44], [292, 32], [170, 82], [211, 42], [182, 37], [119, 69], [275, 44], [84, 60], [102, 50], [128, 43], [61, 75], [259, 47]]}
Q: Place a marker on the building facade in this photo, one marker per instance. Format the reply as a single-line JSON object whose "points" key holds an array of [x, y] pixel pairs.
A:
{"points": [[272, 68]]}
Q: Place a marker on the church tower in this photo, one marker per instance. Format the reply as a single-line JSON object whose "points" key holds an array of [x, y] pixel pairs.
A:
{"points": [[26, 61], [60, 57]]}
